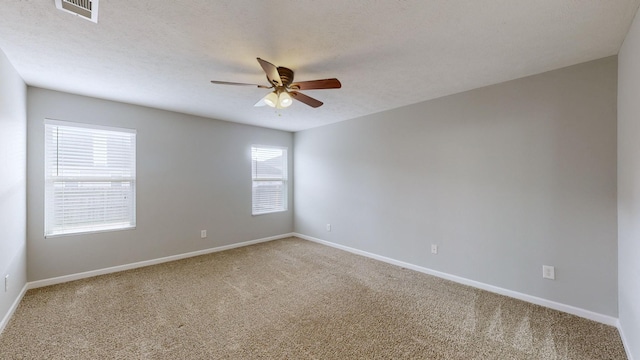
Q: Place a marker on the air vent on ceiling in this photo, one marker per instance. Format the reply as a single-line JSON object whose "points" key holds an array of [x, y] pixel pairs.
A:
{"points": [[87, 9]]}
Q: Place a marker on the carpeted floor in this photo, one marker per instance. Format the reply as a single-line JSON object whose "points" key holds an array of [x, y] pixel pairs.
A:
{"points": [[290, 299]]}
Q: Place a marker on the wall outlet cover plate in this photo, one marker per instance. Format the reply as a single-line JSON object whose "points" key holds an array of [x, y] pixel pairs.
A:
{"points": [[548, 272]]}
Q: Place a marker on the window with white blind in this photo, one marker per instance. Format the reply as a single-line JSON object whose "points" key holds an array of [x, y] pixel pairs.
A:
{"points": [[90, 178], [269, 174]]}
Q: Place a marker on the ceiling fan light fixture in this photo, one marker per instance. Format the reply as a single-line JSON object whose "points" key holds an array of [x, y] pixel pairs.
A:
{"points": [[284, 90], [284, 99], [271, 99]]}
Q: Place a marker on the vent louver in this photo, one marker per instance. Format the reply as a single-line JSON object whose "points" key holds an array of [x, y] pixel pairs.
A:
{"points": [[87, 9]]}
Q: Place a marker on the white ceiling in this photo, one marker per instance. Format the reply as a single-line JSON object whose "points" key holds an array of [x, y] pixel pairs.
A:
{"points": [[387, 54]]}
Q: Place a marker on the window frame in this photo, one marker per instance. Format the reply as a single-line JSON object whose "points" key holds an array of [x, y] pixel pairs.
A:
{"points": [[50, 230], [284, 179]]}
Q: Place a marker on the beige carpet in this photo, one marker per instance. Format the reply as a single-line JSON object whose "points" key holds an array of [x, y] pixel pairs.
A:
{"points": [[290, 299]]}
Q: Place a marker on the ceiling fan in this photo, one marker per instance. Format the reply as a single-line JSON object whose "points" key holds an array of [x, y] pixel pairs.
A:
{"points": [[284, 89]]}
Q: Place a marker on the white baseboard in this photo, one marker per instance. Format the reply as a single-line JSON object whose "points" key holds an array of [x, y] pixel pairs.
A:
{"points": [[87, 274], [624, 340], [12, 309], [604, 319]]}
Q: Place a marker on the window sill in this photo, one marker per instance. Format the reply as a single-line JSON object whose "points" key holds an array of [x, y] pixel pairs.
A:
{"points": [[80, 232], [269, 212]]}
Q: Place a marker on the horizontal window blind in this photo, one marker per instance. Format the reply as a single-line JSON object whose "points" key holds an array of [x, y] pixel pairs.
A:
{"points": [[269, 175], [90, 175]]}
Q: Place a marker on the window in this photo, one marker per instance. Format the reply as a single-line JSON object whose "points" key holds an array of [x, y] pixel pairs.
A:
{"points": [[269, 174], [90, 176]]}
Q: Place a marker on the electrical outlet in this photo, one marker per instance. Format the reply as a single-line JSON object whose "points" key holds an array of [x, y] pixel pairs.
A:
{"points": [[434, 248], [329, 227], [203, 234], [548, 272], [6, 283]]}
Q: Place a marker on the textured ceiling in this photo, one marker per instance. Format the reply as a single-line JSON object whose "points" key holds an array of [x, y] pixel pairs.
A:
{"points": [[387, 54]]}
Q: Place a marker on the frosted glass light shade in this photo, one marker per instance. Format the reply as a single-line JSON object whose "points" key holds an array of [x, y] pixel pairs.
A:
{"points": [[284, 100], [271, 99]]}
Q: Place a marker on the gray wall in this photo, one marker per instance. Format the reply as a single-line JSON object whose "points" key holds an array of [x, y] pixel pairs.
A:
{"points": [[192, 174], [504, 179], [13, 182], [629, 188]]}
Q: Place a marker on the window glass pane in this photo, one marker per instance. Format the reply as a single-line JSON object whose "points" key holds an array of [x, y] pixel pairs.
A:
{"points": [[89, 178], [269, 174]]}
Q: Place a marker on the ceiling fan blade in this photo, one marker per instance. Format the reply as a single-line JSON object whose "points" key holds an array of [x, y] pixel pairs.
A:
{"points": [[271, 71], [239, 84], [306, 99], [317, 84]]}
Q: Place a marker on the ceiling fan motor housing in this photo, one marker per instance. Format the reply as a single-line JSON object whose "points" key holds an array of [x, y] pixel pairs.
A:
{"points": [[286, 75]]}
